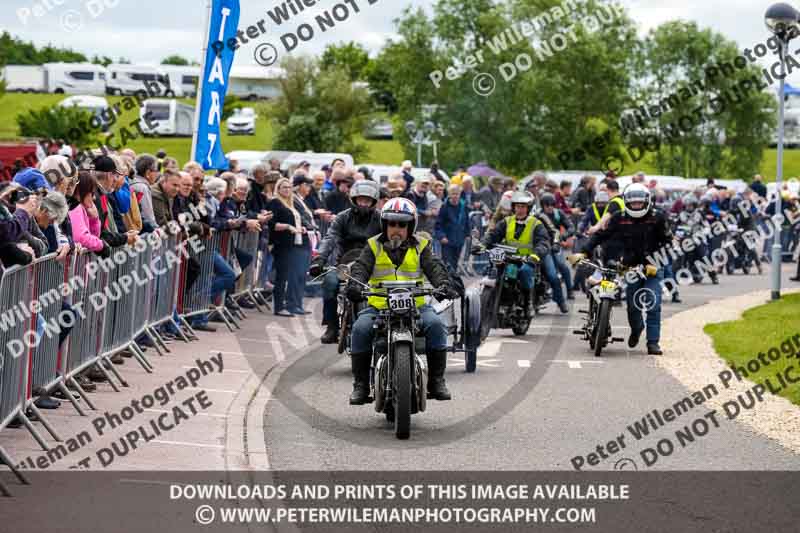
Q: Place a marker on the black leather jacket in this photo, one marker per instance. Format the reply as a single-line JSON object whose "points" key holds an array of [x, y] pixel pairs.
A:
{"points": [[348, 232]]}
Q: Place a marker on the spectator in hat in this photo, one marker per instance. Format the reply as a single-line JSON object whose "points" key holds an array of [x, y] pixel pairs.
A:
{"points": [[146, 175], [452, 226], [435, 173], [112, 230], [32, 179], [328, 185]]}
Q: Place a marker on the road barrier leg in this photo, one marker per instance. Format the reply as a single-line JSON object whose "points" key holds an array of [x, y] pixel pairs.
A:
{"points": [[32, 430], [9, 462], [44, 422], [68, 395], [102, 366], [225, 315], [252, 295], [139, 355], [82, 393], [153, 332], [156, 344], [119, 377], [185, 323]]}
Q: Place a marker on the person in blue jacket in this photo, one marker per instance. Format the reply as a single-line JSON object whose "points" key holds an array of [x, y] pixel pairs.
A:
{"points": [[452, 226]]}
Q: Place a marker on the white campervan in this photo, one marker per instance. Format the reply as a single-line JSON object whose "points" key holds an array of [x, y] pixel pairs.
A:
{"points": [[168, 116], [128, 79], [74, 78], [188, 77]]}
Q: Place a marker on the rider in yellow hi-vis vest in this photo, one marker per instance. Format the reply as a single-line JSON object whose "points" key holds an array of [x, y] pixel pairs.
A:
{"points": [[524, 231], [396, 254]]}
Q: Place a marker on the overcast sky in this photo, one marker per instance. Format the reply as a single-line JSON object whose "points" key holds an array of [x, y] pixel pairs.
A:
{"points": [[146, 31]]}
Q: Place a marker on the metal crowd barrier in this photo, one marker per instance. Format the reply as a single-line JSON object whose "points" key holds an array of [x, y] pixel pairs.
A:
{"points": [[196, 300], [106, 306], [247, 242]]}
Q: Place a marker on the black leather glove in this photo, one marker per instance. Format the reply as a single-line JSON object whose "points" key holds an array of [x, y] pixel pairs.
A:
{"points": [[353, 292], [316, 268], [478, 249], [445, 292]]}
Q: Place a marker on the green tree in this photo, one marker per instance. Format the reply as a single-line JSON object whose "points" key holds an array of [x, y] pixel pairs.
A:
{"points": [[318, 110], [352, 57], [694, 83], [104, 60], [14, 51], [76, 125], [175, 60]]}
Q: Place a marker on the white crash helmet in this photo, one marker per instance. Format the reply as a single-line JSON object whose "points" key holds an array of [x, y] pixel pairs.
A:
{"points": [[522, 197], [636, 192]]}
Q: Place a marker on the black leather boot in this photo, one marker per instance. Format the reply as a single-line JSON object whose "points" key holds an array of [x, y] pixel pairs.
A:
{"points": [[331, 335], [360, 366], [437, 388]]}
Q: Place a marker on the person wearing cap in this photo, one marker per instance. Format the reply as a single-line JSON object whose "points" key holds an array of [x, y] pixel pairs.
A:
{"points": [[490, 194], [437, 175], [112, 229], [32, 179], [525, 232], [641, 231], [339, 200], [346, 237], [561, 230], [327, 186]]}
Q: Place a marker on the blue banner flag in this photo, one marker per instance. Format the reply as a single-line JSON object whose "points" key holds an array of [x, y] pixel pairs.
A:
{"points": [[222, 28]]}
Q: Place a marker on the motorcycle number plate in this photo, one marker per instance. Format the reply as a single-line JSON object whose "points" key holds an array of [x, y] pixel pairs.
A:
{"points": [[607, 287], [401, 301], [511, 271], [497, 255]]}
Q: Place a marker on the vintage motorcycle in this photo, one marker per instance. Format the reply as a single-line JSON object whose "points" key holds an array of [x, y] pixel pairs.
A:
{"points": [[399, 378], [503, 302], [604, 288]]}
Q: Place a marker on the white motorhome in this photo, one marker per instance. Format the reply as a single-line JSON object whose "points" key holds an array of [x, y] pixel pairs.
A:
{"points": [[75, 78], [188, 77], [316, 160], [168, 117], [24, 78], [253, 83], [124, 79]]}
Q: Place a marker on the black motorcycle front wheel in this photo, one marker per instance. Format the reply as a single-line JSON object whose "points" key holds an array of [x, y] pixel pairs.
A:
{"points": [[402, 390], [601, 327]]}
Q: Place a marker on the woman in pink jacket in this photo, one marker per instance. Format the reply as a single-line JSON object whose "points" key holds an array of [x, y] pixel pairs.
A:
{"points": [[84, 218]]}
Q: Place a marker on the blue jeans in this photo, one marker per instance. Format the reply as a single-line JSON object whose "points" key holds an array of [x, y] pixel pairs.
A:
{"points": [[525, 275], [224, 277], [266, 267], [291, 264], [432, 327], [644, 296], [550, 272], [330, 290], [450, 255]]}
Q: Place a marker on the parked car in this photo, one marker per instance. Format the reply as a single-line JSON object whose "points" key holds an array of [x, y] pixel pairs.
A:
{"points": [[242, 122], [379, 129]]}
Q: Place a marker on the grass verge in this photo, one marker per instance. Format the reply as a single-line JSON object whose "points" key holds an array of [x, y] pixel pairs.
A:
{"points": [[776, 324]]}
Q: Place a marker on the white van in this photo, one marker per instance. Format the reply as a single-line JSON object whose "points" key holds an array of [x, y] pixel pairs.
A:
{"points": [[23, 78], [188, 77], [168, 116], [75, 78], [126, 79], [317, 161]]}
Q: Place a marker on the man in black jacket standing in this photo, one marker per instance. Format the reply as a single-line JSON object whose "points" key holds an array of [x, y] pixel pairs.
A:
{"points": [[642, 230], [346, 237]]}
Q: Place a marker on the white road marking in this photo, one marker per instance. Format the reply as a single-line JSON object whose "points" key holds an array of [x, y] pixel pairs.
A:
{"points": [[240, 354], [194, 444], [574, 364], [523, 363], [226, 370], [200, 414], [488, 362]]}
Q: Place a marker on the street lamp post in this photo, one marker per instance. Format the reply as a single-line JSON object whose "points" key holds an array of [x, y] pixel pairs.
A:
{"points": [[782, 20], [421, 136]]}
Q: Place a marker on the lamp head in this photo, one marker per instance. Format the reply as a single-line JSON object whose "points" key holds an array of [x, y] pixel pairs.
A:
{"points": [[782, 20], [411, 128]]}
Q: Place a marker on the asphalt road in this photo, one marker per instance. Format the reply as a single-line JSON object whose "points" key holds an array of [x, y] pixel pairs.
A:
{"points": [[534, 403]]}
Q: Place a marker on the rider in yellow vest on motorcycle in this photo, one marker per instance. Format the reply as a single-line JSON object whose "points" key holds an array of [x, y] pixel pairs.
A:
{"points": [[524, 231], [397, 254]]}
